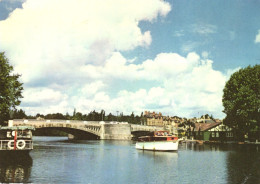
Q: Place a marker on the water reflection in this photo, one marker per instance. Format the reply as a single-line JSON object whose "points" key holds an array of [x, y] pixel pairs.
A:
{"points": [[216, 147], [159, 154], [240, 163], [15, 169], [243, 165]]}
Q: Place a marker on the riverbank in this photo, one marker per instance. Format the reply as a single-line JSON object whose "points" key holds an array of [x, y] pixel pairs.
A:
{"points": [[217, 142]]}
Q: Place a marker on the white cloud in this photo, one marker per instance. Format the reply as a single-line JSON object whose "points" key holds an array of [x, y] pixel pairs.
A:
{"points": [[204, 29], [184, 86], [48, 34], [44, 100], [70, 56], [205, 54], [91, 89], [257, 38], [189, 46], [179, 33]]}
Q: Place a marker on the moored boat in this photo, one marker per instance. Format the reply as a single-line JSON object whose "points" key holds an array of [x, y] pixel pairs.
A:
{"points": [[159, 141], [16, 140]]}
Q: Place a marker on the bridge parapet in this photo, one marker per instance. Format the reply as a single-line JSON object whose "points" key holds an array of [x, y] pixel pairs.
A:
{"points": [[91, 127]]}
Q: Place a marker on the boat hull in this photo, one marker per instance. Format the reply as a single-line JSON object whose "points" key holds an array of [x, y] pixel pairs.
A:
{"points": [[14, 153], [158, 145]]}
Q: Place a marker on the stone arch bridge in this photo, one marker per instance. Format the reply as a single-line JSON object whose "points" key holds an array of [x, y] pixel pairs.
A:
{"points": [[89, 129]]}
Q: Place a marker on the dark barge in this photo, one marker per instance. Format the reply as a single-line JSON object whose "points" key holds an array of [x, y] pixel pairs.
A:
{"points": [[16, 140]]}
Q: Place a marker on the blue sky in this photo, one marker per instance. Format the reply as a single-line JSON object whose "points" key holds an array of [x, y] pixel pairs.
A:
{"points": [[172, 57], [225, 29]]}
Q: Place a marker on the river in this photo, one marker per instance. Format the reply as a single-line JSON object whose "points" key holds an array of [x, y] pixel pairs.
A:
{"points": [[57, 160]]}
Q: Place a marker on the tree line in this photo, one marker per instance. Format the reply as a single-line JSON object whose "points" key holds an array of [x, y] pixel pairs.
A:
{"points": [[91, 116]]}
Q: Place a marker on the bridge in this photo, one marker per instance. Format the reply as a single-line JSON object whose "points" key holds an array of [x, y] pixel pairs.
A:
{"points": [[88, 129]]}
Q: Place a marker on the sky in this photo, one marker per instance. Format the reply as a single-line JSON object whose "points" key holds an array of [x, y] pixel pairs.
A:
{"points": [[129, 56]]}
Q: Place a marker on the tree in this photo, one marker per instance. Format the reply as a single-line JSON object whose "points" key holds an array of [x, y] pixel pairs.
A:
{"points": [[10, 89], [103, 114], [110, 117], [132, 118], [19, 114], [241, 101]]}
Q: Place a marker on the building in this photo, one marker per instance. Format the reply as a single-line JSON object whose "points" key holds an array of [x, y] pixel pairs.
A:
{"points": [[153, 119], [214, 131], [157, 119]]}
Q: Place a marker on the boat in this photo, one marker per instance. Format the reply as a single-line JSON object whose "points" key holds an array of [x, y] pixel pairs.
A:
{"points": [[159, 141], [16, 140]]}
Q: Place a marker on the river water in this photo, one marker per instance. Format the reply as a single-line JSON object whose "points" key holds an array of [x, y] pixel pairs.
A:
{"points": [[57, 160]]}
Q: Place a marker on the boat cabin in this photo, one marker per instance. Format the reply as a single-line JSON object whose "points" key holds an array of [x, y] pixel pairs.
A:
{"points": [[158, 136], [16, 138]]}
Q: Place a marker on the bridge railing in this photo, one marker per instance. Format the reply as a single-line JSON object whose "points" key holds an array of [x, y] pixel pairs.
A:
{"points": [[90, 126], [53, 121]]}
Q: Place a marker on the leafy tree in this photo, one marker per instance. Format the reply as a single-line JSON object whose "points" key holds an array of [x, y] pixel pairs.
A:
{"points": [[10, 89], [67, 116], [19, 114], [78, 116], [55, 116], [74, 112], [241, 101], [103, 114], [110, 117], [132, 118]]}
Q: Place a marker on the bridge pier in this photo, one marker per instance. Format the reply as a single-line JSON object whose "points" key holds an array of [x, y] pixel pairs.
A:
{"points": [[71, 137], [115, 132]]}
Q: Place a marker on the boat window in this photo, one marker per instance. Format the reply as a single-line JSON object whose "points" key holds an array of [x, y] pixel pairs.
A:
{"points": [[9, 134], [24, 134], [3, 135]]}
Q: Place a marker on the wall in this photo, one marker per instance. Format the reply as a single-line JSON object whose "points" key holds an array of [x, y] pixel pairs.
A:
{"points": [[115, 132]]}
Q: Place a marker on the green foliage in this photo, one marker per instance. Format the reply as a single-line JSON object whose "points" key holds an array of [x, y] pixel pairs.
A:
{"points": [[241, 100], [207, 116], [18, 114], [91, 116], [54, 116], [10, 89]]}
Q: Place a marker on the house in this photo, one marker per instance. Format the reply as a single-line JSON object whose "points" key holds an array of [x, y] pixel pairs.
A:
{"points": [[153, 119], [157, 119], [214, 131]]}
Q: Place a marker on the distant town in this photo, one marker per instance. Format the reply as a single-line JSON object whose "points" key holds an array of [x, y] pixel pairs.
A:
{"points": [[204, 128]]}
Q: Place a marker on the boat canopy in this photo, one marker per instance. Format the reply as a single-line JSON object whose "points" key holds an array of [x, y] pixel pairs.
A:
{"points": [[17, 128]]}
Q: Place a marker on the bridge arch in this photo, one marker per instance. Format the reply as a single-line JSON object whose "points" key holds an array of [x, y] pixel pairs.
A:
{"points": [[73, 133], [79, 129]]}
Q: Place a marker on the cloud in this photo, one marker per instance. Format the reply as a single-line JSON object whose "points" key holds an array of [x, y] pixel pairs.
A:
{"points": [[205, 54], [204, 29], [179, 33], [44, 100], [181, 85], [44, 35], [71, 56], [189, 46], [13, 1], [92, 88], [257, 38]]}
